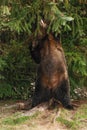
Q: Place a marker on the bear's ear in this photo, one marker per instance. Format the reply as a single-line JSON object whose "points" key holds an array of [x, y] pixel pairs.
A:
{"points": [[50, 37], [57, 37], [54, 37]]}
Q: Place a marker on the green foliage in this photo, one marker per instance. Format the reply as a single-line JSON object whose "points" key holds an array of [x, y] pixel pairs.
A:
{"points": [[16, 75], [77, 66], [20, 19]]}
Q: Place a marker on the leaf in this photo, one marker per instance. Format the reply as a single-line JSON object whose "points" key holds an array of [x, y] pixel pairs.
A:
{"points": [[67, 18]]}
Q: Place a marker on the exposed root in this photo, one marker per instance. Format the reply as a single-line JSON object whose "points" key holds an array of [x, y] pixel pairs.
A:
{"points": [[56, 115]]}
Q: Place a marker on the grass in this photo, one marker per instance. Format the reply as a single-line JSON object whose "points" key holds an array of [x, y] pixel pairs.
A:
{"points": [[11, 121], [67, 123], [78, 119], [14, 120], [69, 120]]}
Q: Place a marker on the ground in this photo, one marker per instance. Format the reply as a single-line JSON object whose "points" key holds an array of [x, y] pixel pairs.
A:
{"points": [[11, 118]]}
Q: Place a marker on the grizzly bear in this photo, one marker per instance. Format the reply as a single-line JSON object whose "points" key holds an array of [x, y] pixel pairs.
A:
{"points": [[52, 78]]}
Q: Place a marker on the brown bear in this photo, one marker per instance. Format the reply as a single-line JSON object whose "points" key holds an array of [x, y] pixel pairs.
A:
{"points": [[52, 78]]}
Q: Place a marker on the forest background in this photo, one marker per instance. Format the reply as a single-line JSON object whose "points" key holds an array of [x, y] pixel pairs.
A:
{"points": [[19, 19]]}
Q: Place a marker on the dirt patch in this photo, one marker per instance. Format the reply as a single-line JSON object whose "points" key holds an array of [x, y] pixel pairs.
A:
{"points": [[40, 118]]}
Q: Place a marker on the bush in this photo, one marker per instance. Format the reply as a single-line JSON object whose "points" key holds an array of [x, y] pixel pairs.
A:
{"points": [[17, 72]]}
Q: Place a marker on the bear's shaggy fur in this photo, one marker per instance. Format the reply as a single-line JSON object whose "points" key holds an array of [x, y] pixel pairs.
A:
{"points": [[52, 78]]}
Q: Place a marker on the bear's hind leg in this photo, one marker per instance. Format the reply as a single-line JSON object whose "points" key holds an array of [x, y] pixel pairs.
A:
{"points": [[37, 98], [66, 102], [63, 95], [41, 94]]}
